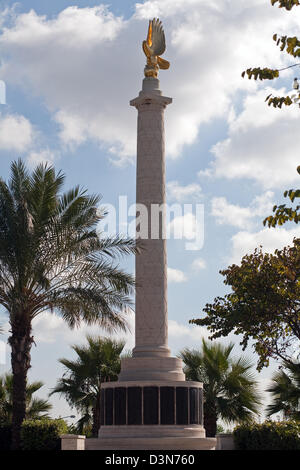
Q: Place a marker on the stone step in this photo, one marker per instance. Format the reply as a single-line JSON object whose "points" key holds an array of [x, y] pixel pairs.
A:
{"points": [[166, 443]]}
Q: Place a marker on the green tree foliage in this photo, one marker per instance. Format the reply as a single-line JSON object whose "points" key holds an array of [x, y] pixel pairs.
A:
{"points": [[263, 305], [96, 363], [285, 391], [287, 4], [53, 258], [43, 434], [220, 429], [290, 45], [35, 407], [270, 435], [36, 434], [230, 390], [282, 213]]}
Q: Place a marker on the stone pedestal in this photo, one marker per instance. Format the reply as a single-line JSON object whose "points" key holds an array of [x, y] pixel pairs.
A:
{"points": [[225, 442], [151, 406], [72, 442]]}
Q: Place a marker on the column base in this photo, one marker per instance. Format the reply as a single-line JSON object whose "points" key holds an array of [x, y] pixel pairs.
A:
{"points": [[153, 432], [151, 351], [151, 368]]}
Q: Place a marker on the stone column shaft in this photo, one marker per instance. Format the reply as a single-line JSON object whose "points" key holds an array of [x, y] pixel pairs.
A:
{"points": [[151, 333], [151, 358]]}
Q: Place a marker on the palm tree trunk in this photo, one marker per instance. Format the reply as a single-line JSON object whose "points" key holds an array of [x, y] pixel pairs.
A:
{"points": [[20, 342], [210, 420], [96, 416]]}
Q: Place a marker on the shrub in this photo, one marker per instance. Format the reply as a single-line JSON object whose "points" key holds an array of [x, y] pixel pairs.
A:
{"points": [[5, 436], [270, 435], [86, 431], [42, 434]]}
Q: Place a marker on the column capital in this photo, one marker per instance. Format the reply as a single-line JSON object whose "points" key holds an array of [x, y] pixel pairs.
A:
{"points": [[150, 98], [150, 94]]}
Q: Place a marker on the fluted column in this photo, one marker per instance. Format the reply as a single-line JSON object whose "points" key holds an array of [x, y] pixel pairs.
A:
{"points": [[151, 358], [151, 333]]}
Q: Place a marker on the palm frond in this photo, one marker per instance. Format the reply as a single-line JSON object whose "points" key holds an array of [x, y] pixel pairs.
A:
{"points": [[96, 362], [53, 258], [38, 409], [285, 391], [35, 407], [230, 389]]}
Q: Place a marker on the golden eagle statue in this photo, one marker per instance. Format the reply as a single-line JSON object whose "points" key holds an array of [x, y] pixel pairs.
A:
{"points": [[154, 47]]}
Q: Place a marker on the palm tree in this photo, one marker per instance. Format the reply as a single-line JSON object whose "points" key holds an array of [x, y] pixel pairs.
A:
{"points": [[96, 363], [285, 391], [53, 258], [35, 407], [230, 391]]}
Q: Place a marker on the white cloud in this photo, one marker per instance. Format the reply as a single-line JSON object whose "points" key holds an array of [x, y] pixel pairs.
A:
{"points": [[176, 276], [262, 205], [82, 92], [190, 336], [183, 226], [208, 44], [73, 130], [43, 156], [2, 352], [50, 328], [16, 133], [7, 14], [242, 217], [199, 264], [185, 336], [182, 194], [262, 144], [271, 239]]}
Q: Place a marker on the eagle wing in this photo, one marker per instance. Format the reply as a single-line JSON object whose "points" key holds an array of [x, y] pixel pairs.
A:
{"points": [[163, 64], [146, 49], [156, 36], [149, 36]]}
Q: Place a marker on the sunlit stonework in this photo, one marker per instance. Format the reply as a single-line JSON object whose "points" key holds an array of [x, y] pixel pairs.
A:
{"points": [[151, 406]]}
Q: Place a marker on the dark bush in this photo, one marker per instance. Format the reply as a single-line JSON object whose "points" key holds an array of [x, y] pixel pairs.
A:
{"points": [[5, 436], [270, 435], [43, 434]]}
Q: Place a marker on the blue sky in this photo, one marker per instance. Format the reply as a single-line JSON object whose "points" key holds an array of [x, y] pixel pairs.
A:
{"points": [[71, 69]]}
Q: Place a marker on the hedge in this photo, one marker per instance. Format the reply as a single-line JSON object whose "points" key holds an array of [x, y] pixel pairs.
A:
{"points": [[5, 436], [270, 435], [40, 434], [43, 434]]}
